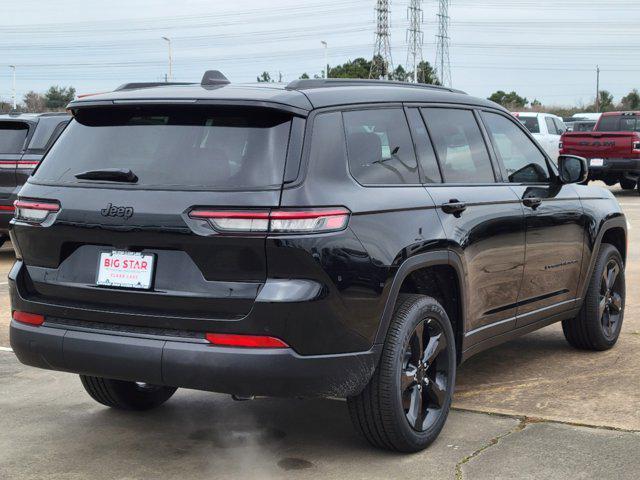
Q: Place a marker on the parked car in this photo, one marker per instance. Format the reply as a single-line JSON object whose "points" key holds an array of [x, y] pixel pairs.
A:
{"points": [[613, 148], [24, 138], [546, 128], [587, 116], [335, 238]]}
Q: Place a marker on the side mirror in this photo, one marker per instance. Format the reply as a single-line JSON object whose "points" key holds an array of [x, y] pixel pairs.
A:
{"points": [[572, 169]]}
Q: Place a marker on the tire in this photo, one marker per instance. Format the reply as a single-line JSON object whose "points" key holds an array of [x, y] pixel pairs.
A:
{"points": [[627, 184], [383, 411], [126, 395], [597, 326]]}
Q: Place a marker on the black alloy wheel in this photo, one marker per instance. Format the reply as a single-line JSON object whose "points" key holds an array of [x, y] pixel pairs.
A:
{"points": [[406, 403], [425, 373], [599, 322], [610, 302]]}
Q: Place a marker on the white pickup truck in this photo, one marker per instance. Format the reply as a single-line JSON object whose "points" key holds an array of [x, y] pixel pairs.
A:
{"points": [[546, 128]]}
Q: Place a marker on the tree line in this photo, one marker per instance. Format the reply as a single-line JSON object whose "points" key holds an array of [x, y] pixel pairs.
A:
{"points": [[512, 101], [362, 68], [54, 99]]}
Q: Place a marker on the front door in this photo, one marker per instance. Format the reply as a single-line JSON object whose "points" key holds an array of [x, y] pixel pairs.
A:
{"points": [[554, 222]]}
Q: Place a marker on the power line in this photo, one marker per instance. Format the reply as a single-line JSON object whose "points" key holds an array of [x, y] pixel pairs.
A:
{"points": [[382, 63]]}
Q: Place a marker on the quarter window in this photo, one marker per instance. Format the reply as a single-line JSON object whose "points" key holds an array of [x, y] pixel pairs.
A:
{"points": [[380, 148], [521, 159], [461, 149]]}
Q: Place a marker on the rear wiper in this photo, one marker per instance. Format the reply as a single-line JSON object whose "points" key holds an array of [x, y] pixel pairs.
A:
{"points": [[109, 174]]}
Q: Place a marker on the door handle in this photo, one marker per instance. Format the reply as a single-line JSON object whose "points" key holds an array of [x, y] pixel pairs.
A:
{"points": [[532, 202], [454, 207]]}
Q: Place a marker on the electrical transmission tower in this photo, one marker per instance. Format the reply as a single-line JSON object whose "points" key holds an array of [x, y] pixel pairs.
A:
{"points": [[443, 63], [382, 64], [415, 37]]}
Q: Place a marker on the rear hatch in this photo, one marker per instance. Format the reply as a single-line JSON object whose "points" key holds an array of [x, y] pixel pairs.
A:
{"points": [[126, 180]]}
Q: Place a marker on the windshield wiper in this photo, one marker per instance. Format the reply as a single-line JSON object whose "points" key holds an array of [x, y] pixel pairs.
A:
{"points": [[109, 174]]}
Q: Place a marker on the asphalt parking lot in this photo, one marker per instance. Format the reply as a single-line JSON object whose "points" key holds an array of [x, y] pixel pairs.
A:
{"points": [[532, 408]]}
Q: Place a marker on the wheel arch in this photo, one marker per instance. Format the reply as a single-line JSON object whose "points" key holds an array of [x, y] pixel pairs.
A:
{"points": [[612, 231], [444, 268]]}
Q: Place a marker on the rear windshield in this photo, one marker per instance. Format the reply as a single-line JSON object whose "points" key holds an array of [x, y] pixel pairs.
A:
{"points": [[583, 126], [619, 123], [220, 148], [531, 123], [12, 136]]}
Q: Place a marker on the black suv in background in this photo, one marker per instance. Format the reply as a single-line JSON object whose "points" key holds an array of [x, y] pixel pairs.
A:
{"points": [[24, 138], [332, 238]]}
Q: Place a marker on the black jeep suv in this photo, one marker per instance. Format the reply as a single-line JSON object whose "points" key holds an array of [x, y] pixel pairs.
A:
{"points": [[329, 238], [24, 138]]}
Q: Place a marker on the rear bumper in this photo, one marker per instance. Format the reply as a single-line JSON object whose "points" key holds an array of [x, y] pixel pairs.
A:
{"points": [[192, 364], [616, 166]]}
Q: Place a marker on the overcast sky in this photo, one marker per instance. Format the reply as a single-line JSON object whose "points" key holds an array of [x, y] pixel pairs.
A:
{"points": [[544, 49]]}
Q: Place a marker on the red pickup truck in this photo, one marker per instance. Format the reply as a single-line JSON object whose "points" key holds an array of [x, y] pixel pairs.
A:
{"points": [[612, 149]]}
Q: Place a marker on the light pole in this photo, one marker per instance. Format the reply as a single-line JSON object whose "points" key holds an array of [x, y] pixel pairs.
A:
{"points": [[13, 88], [168, 40], [326, 58]]}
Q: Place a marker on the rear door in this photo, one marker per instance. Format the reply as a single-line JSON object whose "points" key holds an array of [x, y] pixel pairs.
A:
{"points": [[13, 138], [229, 160], [554, 221], [482, 219]]}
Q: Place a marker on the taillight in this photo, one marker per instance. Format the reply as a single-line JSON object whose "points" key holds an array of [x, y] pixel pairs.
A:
{"points": [[28, 318], [34, 211], [230, 221], [246, 341], [316, 220], [31, 164]]}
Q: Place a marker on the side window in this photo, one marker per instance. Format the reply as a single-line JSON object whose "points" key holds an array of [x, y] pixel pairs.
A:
{"points": [[522, 160], [560, 126], [630, 124], [424, 148], [551, 127], [380, 148], [461, 149]]}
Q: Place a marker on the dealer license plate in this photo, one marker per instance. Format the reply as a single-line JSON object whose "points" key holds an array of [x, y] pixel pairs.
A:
{"points": [[125, 269], [596, 162]]}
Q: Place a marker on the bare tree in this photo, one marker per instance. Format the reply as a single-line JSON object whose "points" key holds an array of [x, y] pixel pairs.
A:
{"points": [[34, 102]]}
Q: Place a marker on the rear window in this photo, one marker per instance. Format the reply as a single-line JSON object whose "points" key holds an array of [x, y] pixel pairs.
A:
{"points": [[619, 123], [44, 132], [220, 148], [12, 136], [531, 123]]}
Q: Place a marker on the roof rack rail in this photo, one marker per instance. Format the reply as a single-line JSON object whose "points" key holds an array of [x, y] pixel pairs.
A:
{"points": [[137, 85], [52, 114], [308, 84]]}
